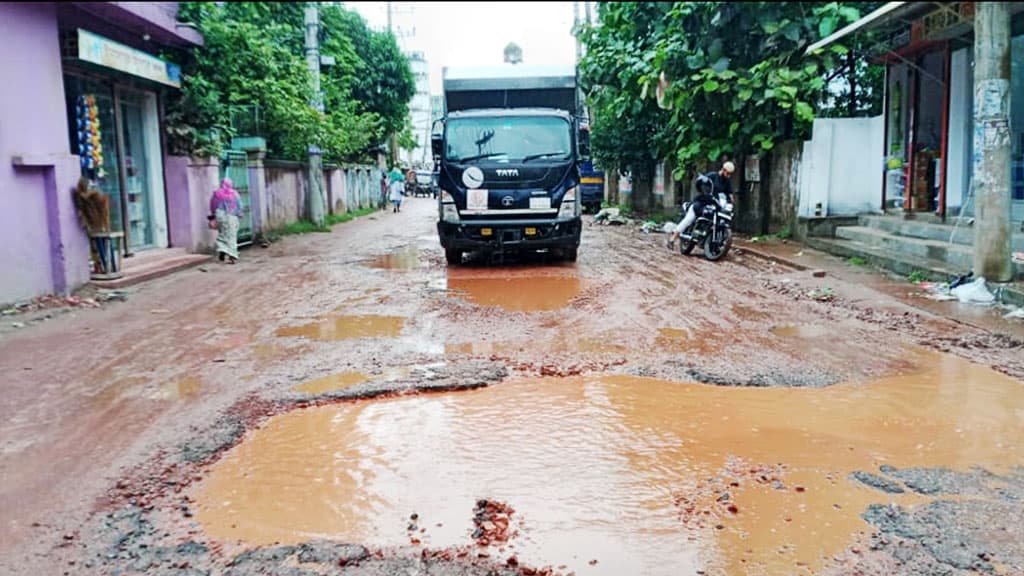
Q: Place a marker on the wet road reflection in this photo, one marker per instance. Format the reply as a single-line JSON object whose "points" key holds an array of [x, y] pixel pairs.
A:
{"points": [[346, 327], [515, 292]]}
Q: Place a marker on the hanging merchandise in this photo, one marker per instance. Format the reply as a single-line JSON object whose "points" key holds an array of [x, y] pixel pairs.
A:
{"points": [[90, 149]]}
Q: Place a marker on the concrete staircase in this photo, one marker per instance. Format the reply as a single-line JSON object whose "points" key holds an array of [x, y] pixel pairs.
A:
{"points": [[908, 246], [150, 264]]}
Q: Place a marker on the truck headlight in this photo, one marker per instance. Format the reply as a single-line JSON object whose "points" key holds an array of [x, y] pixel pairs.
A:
{"points": [[449, 213], [570, 206]]}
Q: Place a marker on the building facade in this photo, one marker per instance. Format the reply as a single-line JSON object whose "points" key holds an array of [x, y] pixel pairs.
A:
{"points": [[83, 95], [420, 114], [927, 49]]}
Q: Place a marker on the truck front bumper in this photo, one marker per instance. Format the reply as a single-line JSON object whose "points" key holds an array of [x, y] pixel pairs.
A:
{"points": [[499, 235]]}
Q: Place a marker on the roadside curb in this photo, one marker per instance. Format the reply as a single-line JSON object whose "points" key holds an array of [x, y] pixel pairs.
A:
{"points": [[772, 258]]}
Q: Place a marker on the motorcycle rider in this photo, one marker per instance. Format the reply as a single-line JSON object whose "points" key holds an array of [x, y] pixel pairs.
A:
{"points": [[711, 187]]}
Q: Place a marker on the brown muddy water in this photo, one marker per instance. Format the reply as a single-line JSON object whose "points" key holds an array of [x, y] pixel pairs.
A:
{"points": [[406, 258], [596, 467], [346, 327], [517, 293]]}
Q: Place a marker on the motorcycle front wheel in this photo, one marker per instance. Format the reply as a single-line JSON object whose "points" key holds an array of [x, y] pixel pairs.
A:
{"points": [[717, 244]]}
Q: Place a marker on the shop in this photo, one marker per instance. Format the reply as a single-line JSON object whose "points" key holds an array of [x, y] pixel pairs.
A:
{"points": [[929, 113], [113, 97]]}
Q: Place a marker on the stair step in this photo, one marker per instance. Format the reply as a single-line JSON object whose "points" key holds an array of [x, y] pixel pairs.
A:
{"points": [[962, 234], [152, 267], [904, 264], [953, 256]]}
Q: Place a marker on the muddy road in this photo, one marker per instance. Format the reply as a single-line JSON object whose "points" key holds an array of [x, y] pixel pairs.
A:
{"points": [[346, 403]]}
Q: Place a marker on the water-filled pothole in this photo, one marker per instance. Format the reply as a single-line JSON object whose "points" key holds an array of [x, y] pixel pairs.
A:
{"points": [[517, 293], [804, 331], [341, 381], [614, 468], [346, 327], [406, 258]]}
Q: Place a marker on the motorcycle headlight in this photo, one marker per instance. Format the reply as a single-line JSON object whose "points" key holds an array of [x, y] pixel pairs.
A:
{"points": [[570, 206]]}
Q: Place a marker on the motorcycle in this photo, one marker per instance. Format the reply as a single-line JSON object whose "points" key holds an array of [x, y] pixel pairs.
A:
{"points": [[712, 230]]}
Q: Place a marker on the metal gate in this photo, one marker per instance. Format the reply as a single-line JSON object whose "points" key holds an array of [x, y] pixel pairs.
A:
{"points": [[235, 165]]}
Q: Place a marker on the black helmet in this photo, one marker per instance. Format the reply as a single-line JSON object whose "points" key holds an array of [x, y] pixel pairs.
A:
{"points": [[704, 184]]}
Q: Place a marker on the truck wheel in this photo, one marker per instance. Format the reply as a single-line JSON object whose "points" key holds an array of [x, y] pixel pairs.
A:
{"points": [[570, 254], [454, 257]]}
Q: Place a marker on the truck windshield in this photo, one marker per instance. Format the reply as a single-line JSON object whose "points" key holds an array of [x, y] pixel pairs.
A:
{"points": [[508, 139]]}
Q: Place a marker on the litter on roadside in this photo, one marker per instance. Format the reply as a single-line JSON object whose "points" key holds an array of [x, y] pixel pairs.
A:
{"points": [[822, 295], [937, 291], [974, 292], [1016, 314]]}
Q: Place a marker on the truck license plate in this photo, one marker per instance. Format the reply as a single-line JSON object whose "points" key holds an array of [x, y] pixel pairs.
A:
{"points": [[540, 203], [485, 231], [531, 231]]}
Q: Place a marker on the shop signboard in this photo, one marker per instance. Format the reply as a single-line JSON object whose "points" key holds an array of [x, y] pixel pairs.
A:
{"points": [[99, 50]]}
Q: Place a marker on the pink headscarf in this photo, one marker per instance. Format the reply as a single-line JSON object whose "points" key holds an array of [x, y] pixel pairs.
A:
{"points": [[225, 197]]}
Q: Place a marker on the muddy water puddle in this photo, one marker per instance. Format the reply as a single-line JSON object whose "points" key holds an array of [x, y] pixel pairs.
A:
{"points": [[343, 380], [623, 470], [519, 293], [406, 258], [346, 327], [565, 343], [805, 331]]}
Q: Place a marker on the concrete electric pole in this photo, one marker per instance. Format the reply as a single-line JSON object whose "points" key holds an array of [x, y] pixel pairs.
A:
{"points": [[394, 137], [992, 142], [315, 188]]}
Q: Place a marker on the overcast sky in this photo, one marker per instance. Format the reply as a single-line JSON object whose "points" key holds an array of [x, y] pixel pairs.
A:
{"points": [[476, 33]]}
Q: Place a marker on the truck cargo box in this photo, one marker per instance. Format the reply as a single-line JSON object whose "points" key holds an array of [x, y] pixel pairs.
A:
{"points": [[510, 86]]}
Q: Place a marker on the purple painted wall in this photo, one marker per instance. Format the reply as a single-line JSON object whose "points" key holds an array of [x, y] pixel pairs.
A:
{"points": [[33, 128], [190, 181]]}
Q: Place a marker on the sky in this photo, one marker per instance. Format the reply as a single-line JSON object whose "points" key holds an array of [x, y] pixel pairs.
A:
{"points": [[476, 33]]}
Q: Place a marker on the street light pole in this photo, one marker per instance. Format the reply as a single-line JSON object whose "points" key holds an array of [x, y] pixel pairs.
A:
{"points": [[314, 189]]}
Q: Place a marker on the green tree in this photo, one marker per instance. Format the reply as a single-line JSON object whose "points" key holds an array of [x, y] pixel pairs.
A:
{"points": [[737, 77], [626, 130], [253, 55], [375, 71]]}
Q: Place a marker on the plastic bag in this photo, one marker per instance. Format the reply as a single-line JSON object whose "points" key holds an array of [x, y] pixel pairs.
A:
{"points": [[973, 293]]}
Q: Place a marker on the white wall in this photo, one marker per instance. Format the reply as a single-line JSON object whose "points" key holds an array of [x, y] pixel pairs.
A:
{"points": [[842, 167], [155, 161], [958, 163]]}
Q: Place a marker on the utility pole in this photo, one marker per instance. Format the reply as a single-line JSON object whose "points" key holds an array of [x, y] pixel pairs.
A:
{"points": [[579, 54], [992, 142], [394, 136], [314, 195]]}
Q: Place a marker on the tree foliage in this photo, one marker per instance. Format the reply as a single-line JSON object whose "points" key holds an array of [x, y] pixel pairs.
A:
{"points": [[734, 75], [253, 56]]}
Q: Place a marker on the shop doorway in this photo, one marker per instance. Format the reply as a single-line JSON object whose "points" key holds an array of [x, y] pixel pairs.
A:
{"points": [[143, 180], [927, 136], [115, 132]]}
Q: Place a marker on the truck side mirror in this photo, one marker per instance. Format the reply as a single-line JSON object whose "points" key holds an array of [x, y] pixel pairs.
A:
{"points": [[584, 143], [437, 145]]}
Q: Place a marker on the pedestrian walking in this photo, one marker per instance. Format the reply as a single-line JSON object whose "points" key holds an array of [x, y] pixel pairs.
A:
{"points": [[397, 189], [225, 211]]}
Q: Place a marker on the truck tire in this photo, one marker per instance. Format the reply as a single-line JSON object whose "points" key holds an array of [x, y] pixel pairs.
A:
{"points": [[570, 254], [454, 257]]}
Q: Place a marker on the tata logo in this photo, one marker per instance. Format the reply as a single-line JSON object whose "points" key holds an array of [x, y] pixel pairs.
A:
{"points": [[507, 172], [507, 201]]}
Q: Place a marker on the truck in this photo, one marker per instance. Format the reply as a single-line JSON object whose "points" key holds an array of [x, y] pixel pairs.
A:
{"points": [[507, 153], [591, 186]]}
